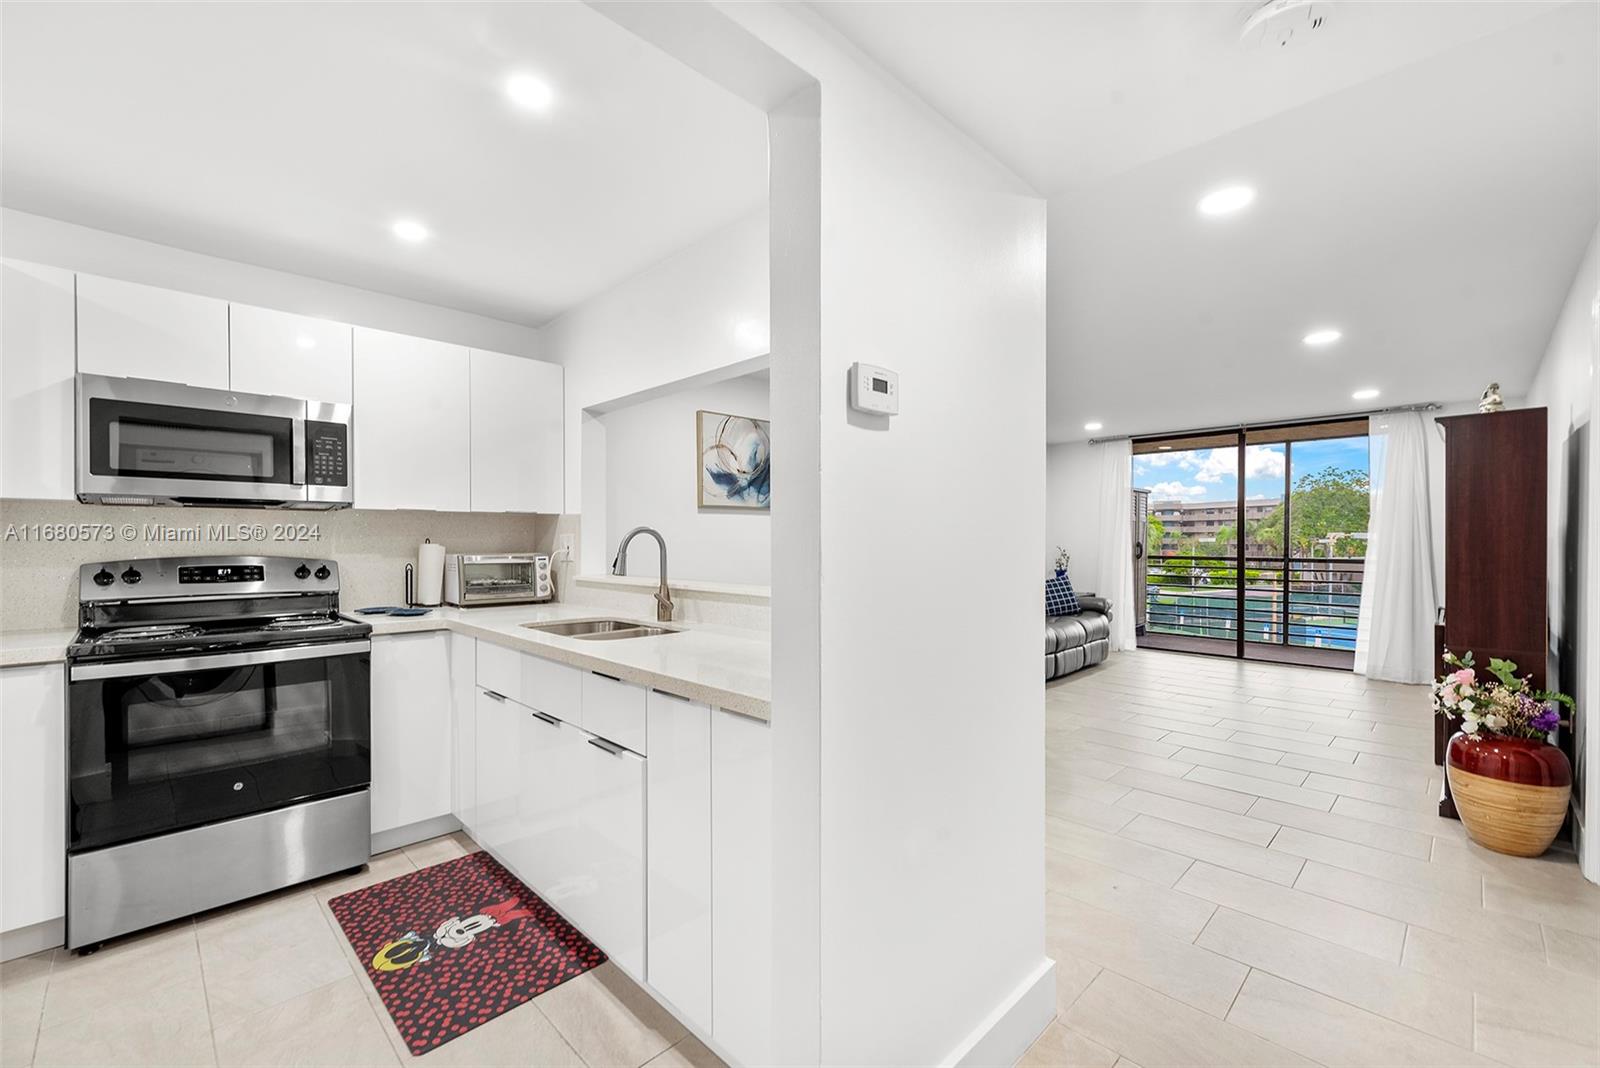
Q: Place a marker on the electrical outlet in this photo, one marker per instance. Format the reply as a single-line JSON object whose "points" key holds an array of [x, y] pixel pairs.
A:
{"points": [[564, 546]]}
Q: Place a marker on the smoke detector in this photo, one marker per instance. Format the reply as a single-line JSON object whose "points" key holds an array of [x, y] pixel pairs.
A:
{"points": [[1279, 23]]}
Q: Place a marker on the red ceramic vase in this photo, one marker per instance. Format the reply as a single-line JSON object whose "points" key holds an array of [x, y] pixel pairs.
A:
{"points": [[1511, 793]]}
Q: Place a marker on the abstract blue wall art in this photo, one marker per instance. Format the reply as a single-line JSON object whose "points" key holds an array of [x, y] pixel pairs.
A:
{"points": [[735, 461]]}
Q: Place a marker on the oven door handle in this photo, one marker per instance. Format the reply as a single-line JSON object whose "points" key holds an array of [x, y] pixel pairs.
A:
{"points": [[168, 665]]}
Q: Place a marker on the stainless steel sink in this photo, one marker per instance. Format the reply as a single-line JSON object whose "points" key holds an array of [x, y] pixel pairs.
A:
{"points": [[600, 630]]}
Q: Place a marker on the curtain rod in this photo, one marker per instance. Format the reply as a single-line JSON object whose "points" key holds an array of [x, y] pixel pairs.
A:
{"points": [[1430, 406]]}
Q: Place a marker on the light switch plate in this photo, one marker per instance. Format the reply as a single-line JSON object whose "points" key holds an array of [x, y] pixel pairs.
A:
{"points": [[875, 390]]}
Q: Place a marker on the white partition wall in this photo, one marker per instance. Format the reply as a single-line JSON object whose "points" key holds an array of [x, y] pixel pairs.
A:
{"points": [[908, 780]]}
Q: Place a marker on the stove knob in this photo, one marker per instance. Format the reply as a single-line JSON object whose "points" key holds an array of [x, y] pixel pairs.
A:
{"points": [[323, 573], [131, 576], [104, 577], [302, 572]]}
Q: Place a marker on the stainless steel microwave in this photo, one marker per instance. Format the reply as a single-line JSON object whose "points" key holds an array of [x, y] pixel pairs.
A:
{"points": [[147, 442]]}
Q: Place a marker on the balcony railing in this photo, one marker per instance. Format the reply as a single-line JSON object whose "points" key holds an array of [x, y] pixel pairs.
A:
{"points": [[1303, 601]]}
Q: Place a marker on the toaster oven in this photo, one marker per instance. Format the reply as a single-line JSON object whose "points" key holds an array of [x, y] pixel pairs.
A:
{"points": [[496, 578]]}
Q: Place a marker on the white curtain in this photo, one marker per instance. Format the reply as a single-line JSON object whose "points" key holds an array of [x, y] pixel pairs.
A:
{"points": [[1114, 538], [1394, 631]]}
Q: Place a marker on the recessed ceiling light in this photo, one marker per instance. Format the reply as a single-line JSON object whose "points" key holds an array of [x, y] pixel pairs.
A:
{"points": [[529, 93], [1092, 426], [410, 230], [305, 342], [1165, 448], [1364, 394], [1324, 336], [1227, 200]]}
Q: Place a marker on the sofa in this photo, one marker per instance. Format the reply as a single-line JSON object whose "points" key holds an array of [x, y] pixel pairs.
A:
{"points": [[1077, 641]]}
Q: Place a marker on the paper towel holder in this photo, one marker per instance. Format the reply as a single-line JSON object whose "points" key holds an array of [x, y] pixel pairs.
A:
{"points": [[429, 588]]}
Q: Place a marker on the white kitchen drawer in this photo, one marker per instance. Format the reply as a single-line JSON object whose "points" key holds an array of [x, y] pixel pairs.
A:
{"points": [[552, 688], [500, 670], [614, 710], [532, 681]]}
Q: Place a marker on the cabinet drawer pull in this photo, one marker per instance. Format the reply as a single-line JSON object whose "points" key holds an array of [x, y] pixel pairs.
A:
{"points": [[547, 718], [674, 696], [603, 675], [610, 747], [494, 696]]}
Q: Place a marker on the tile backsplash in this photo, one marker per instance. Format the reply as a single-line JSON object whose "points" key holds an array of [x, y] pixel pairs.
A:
{"points": [[39, 555]]}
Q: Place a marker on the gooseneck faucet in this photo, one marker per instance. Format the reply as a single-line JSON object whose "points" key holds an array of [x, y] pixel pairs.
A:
{"points": [[619, 566]]}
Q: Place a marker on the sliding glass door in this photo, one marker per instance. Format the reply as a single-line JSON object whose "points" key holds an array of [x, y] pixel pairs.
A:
{"points": [[1256, 541]]}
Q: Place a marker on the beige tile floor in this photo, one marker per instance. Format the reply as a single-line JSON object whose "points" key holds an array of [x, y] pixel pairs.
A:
{"points": [[273, 982], [1245, 866]]}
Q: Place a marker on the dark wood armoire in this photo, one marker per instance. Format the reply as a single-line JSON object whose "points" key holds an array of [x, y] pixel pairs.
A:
{"points": [[1495, 530]]}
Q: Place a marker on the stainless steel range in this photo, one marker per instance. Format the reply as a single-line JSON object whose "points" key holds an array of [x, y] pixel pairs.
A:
{"points": [[218, 737]]}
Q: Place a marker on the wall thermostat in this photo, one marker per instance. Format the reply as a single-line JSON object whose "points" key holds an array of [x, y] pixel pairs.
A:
{"points": [[874, 389]]}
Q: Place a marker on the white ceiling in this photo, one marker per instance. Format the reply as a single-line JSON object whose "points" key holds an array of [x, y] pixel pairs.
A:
{"points": [[1426, 174], [1073, 92], [292, 135]]}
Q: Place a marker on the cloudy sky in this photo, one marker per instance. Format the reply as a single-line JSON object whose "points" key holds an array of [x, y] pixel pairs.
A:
{"points": [[1212, 475]]}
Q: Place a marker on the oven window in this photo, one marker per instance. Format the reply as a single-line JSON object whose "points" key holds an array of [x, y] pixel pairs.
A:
{"points": [[161, 752], [137, 440], [501, 576]]}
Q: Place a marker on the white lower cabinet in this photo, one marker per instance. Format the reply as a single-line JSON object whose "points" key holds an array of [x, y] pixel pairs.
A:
{"points": [[647, 857], [610, 870], [464, 720], [578, 836], [741, 879], [678, 848], [498, 772], [549, 805], [33, 792], [411, 729]]}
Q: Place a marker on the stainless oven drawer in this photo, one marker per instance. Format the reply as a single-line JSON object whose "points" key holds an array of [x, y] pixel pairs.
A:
{"points": [[129, 887]]}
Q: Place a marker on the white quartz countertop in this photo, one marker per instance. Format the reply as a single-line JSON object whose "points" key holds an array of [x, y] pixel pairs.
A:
{"points": [[722, 666], [19, 647]]}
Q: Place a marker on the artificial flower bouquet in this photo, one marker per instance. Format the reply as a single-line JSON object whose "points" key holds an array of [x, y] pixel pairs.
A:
{"points": [[1499, 703]]}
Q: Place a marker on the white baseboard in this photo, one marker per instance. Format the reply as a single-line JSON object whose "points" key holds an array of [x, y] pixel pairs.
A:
{"points": [[413, 833], [1007, 1032], [35, 938]]}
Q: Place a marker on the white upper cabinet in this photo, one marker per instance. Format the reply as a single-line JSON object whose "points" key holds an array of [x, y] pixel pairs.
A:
{"points": [[137, 331], [516, 434], [286, 355], [412, 423], [36, 364]]}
